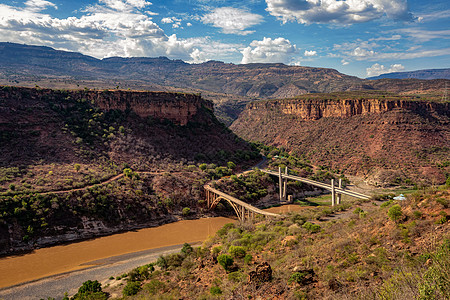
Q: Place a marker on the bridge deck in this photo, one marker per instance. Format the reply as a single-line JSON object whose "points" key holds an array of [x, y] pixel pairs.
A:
{"points": [[319, 184], [239, 202]]}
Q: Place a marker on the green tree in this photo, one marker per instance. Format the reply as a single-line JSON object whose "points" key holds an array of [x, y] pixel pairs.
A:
{"points": [[132, 288], [225, 261], [77, 167], [186, 211], [90, 290], [395, 213], [231, 165], [237, 251], [128, 172]]}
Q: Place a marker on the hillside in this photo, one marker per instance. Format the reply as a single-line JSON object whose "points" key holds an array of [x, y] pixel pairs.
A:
{"points": [[386, 138], [419, 74], [58, 148], [229, 86], [371, 250]]}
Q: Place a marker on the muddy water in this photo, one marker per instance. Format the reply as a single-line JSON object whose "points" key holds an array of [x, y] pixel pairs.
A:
{"points": [[64, 258]]}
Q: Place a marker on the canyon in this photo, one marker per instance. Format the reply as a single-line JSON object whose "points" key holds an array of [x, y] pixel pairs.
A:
{"points": [[381, 136]]}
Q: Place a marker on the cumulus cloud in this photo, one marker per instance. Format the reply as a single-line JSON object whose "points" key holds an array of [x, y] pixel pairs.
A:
{"points": [[232, 20], [107, 28], [337, 11], [279, 50], [38, 5], [310, 53], [377, 69]]}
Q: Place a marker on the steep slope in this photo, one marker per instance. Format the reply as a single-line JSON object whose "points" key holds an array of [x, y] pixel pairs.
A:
{"points": [[75, 164], [419, 74], [388, 139]]}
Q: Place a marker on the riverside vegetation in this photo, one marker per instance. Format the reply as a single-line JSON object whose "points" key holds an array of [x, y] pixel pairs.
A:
{"points": [[61, 156], [376, 250]]}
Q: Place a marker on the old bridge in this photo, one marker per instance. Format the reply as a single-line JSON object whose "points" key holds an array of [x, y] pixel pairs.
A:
{"points": [[244, 211]]}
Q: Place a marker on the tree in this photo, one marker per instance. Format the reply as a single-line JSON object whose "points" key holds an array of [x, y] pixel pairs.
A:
{"points": [[225, 261], [90, 290], [77, 167], [127, 172], [231, 165], [395, 213]]}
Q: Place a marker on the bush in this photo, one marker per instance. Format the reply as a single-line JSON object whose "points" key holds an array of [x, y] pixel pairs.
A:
{"points": [[236, 276], [154, 286], [215, 290], [225, 261], [187, 249], [297, 277], [248, 258], [395, 213], [90, 290], [311, 227], [237, 251], [186, 211], [132, 288]]}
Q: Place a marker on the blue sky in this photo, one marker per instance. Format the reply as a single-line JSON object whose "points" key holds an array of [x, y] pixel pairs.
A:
{"points": [[356, 37]]}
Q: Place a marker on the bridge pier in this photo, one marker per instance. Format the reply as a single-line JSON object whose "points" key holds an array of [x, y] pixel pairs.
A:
{"points": [[333, 194], [339, 195], [283, 184]]}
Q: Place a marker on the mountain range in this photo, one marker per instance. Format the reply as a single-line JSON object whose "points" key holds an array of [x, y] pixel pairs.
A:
{"points": [[419, 74], [229, 86]]}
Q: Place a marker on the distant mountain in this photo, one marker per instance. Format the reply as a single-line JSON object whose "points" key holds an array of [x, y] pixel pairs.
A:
{"points": [[229, 86], [419, 74]]}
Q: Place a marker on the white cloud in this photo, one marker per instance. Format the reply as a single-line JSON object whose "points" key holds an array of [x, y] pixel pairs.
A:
{"points": [[377, 69], [279, 50], [232, 20], [337, 11], [344, 62], [109, 28], [39, 5], [425, 35], [310, 53], [166, 20]]}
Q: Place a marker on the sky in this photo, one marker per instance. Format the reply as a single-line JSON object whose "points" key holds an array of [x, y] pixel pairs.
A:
{"points": [[357, 37]]}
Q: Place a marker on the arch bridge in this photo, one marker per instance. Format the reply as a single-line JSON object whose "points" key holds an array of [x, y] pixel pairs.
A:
{"points": [[244, 211]]}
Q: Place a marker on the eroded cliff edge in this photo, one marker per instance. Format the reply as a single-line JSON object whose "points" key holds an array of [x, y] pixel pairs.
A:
{"points": [[388, 139]]}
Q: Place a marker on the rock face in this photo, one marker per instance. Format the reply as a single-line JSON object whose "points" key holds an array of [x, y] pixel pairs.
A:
{"points": [[315, 109], [176, 107], [386, 139], [263, 273]]}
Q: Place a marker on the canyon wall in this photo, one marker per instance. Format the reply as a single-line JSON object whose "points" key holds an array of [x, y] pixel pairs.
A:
{"points": [[177, 107], [385, 140], [314, 109]]}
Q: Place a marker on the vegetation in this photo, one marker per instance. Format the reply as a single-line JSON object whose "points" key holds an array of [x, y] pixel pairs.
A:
{"points": [[368, 258]]}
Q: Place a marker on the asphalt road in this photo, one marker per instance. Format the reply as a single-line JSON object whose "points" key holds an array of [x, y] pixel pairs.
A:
{"points": [[55, 286]]}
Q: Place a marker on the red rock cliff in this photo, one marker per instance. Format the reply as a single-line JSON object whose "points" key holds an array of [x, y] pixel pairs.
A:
{"points": [[177, 107]]}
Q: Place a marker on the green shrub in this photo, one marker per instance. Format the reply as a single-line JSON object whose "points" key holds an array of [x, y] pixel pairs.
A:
{"points": [[297, 277], [90, 290], [237, 251], [224, 230], [417, 214], [395, 213], [236, 276], [154, 286], [248, 258], [357, 211], [132, 288], [186, 211], [311, 227], [225, 261], [187, 249], [215, 290]]}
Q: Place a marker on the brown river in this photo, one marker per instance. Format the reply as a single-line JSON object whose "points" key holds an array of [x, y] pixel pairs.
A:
{"points": [[74, 256]]}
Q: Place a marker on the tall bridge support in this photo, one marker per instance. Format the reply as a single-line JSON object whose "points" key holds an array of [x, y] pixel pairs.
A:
{"points": [[336, 192]]}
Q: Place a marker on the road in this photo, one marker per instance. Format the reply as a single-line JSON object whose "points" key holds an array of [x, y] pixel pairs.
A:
{"points": [[55, 286]]}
